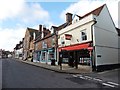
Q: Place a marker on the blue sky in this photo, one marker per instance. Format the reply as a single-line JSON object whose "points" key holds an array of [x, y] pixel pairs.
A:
{"points": [[17, 15], [53, 8]]}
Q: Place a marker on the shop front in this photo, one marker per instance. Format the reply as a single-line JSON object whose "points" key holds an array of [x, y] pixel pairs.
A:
{"points": [[47, 55], [36, 56], [77, 55]]}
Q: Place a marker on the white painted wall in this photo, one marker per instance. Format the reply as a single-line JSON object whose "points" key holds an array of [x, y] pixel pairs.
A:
{"points": [[75, 29], [105, 39]]}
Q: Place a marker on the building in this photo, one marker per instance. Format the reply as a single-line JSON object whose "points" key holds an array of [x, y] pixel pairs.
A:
{"points": [[18, 50], [4, 54], [28, 43], [45, 45], [90, 40], [118, 30], [0, 53]]}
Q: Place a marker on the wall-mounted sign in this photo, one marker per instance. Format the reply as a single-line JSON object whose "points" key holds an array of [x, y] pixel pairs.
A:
{"points": [[98, 55], [68, 36]]}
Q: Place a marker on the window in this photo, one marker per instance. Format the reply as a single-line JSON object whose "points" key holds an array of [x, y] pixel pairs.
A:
{"points": [[83, 35]]}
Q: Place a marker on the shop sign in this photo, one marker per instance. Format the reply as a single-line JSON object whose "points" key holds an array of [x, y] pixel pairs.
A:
{"points": [[68, 36]]}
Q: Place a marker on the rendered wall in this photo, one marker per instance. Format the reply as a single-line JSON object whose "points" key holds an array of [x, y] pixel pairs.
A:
{"points": [[105, 39]]}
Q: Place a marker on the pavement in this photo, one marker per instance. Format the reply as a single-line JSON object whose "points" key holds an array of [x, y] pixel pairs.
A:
{"points": [[65, 68]]}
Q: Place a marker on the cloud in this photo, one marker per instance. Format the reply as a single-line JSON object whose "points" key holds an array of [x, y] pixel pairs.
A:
{"points": [[83, 7], [10, 37], [25, 14], [10, 8], [33, 12]]}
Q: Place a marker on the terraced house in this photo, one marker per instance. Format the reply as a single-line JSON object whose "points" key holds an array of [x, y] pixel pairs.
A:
{"points": [[28, 43], [45, 45], [91, 39]]}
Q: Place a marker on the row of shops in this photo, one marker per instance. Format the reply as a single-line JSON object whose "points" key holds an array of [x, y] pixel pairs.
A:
{"points": [[85, 40], [72, 55]]}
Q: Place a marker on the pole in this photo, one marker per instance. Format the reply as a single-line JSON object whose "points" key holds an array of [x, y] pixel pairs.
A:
{"points": [[90, 58], [60, 60]]}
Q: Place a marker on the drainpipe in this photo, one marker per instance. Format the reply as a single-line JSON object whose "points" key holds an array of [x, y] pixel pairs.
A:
{"points": [[94, 60]]}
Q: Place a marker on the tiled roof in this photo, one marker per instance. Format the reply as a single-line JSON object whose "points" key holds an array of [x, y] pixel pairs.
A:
{"points": [[95, 12], [32, 31]]}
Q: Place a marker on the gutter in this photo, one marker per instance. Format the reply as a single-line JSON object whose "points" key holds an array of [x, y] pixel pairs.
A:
{"points": [[93, 60]]}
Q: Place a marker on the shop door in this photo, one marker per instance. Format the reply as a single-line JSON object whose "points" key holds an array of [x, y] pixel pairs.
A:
{"points": [[71, 58]]}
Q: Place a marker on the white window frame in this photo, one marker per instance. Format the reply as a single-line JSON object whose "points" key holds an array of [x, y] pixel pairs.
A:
{"points": [[83, 37]]}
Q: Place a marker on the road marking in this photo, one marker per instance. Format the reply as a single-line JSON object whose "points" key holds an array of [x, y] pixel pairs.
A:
{"points": [[106, 84], [110, 84], [97, 79], [75, 76], [113, 83], [82, 77], [88, 77]]}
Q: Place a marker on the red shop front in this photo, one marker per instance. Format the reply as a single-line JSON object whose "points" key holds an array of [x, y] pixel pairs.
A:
{"points": [[77, 54]]}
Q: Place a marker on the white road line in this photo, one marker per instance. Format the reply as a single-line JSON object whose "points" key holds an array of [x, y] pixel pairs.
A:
{"points": [[97, 79], [75, 76], [113, 83], [106, 84], [88, 77], [82, 77]]}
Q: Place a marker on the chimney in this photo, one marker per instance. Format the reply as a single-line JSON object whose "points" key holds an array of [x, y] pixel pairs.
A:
{"points": [[68, 17], [40, 28]]}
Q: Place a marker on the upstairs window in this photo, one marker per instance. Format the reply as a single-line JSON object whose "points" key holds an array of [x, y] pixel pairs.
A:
{"points": [[83, 35]]}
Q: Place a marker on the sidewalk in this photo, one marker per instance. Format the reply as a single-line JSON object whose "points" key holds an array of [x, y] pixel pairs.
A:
{"points": [[65, 68]]}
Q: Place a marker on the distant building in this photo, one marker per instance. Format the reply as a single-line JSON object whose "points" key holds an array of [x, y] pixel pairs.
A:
{"points": [[0, 53], [4, 54], [18, 50]]}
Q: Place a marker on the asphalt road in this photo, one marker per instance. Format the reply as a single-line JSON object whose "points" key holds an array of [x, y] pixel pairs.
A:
{"points": [[16, 74]]}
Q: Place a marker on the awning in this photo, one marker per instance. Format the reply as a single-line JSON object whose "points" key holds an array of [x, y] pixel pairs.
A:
{"points": [[76, 47]]}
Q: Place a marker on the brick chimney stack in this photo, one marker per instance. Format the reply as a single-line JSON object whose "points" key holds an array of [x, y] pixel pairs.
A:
{"points": [[69, 17], [40, 28]]}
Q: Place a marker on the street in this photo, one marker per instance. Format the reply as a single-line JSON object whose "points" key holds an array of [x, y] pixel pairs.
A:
{"points": [[16, 74]]}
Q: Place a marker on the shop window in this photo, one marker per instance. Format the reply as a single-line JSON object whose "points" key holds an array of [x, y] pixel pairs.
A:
{"points": [[83, 35], [43, 57], [51, 55]]}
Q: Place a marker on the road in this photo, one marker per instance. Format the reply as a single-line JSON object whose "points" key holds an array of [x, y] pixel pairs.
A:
{"points": [[16, 74]]}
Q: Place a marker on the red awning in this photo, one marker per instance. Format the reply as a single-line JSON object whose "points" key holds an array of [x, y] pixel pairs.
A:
{"points": [[76, 47]]}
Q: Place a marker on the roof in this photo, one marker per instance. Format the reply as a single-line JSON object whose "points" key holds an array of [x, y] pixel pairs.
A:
{"points": [[31, 31], [47, 36], [62, 26], [95, 11], [118, 30]]}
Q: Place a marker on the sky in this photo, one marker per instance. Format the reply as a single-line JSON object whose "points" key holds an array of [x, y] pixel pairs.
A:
{"points": [[17, 15]]}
